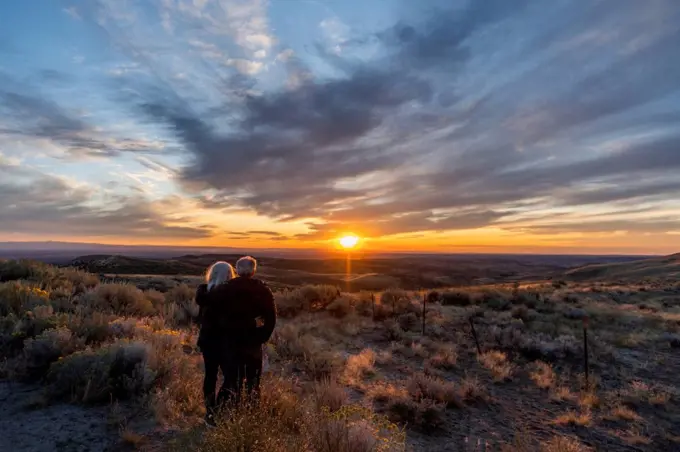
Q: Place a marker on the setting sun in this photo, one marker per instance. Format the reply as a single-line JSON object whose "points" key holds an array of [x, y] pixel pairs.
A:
{"points": [[349, 241]]}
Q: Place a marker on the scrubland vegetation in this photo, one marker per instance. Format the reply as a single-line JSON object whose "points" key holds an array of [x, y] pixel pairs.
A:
{"points": [[354, 372]]}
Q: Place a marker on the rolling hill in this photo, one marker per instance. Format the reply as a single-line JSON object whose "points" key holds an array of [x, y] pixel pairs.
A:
{"points": [[364, 273], [661, 268]]}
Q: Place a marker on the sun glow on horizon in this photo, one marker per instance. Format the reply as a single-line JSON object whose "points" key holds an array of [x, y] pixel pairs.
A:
{"points": [[349, 241]]}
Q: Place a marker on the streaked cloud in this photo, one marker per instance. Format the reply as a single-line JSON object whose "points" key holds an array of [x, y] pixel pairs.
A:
{"points": [[512, 117]]}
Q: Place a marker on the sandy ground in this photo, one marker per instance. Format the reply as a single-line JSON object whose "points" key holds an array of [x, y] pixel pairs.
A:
{"points": [[63, 428]]}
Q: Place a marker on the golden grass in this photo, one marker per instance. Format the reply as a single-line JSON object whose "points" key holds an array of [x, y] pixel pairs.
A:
{"points": [[622, 413], [543, 375], [497, 362], [561, 394], [583, 419], [359, 366], [445, 358]]}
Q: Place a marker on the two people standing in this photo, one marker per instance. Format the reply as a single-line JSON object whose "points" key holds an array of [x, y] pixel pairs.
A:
{"points": [[237, 315]]}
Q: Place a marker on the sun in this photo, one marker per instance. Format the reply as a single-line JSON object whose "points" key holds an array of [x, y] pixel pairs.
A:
{"points": [[349, 241]]}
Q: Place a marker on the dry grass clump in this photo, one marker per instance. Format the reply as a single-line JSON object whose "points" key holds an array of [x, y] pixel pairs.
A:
{"points": [[497, 362], [282, 421], [445, 357], [573, 418], [563, 444], [471, 390], [561, 394], [329, 394], [640, 393], [360, 366], [421, 386], [543, 375], [312, 353], [622, 413]]}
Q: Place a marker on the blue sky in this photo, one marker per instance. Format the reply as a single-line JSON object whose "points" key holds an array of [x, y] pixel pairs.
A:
{"points": [[447, 125]]}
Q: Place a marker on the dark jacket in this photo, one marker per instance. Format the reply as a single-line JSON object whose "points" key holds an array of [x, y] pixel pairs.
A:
{"points": [[228, 314]]}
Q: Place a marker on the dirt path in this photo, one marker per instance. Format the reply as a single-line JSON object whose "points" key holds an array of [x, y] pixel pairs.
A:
{"points": [[63, 428]]}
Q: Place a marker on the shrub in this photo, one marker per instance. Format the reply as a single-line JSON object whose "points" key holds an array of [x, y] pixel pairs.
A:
{"points": [[528, 298], [40, 352], [123, 299], [340, 307], [393, 331], [93, 329], [544, 347], [456, 298], [409, 322], [495, 300], [433, 297], [395, 299], [399, 406], [17, 297], [305, 299], [11, 270], [93, 376]]}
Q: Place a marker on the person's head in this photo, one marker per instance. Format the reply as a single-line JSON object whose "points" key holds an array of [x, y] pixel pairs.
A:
{"points": [[218, 273], [246, 266]]}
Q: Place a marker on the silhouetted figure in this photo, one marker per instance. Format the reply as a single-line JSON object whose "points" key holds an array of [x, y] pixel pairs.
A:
{"points": [[239, 318], [210, 337]]}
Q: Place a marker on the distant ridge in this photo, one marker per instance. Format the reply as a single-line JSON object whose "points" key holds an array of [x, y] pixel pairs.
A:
{"points": [[666, 267]]}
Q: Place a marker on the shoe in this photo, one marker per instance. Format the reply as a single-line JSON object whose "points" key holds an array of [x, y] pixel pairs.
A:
{"points": [[209, 421]]}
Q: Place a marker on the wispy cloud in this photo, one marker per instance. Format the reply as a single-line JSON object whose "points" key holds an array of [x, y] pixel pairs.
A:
{"points": [[73, 12], [441, 120]]}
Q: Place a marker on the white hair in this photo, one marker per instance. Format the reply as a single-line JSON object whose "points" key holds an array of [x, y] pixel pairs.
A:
{"points": [[246, 266], [218, 273]]}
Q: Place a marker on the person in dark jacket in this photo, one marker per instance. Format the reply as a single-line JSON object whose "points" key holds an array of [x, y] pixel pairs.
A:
{"points": [[240, 320], [209, 340]]}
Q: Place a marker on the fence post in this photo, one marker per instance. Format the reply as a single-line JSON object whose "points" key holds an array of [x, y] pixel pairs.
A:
{"points": [[424, 310], [474, 335], [585, 352]]}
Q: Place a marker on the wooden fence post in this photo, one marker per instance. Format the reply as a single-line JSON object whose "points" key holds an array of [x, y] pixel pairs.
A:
{"points": [[474, 335]]}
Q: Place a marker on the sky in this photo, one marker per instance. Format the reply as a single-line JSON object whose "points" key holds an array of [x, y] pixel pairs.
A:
{"points": [[453, 126]]}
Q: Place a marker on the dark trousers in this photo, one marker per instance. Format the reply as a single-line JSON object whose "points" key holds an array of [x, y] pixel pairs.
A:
{"points": [[241, 371]]}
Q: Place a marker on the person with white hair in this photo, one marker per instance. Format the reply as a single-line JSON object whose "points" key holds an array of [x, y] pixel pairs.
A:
{"points": [[244, 317], [209, 337]]}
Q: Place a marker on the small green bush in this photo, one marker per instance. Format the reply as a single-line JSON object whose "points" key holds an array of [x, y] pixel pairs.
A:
{"points": [[40, 352], [116, 371]]}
